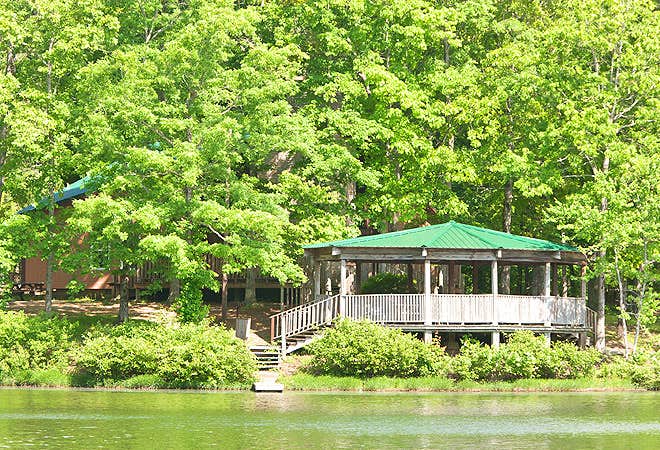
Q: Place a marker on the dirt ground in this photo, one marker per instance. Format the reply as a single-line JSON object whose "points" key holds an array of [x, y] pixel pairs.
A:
{"points": [[158, 312]]}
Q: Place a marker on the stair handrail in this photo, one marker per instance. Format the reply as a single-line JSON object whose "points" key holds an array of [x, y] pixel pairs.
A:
{"points": [[304, 317]]}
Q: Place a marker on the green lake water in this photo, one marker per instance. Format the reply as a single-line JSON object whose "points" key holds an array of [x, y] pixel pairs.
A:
{"points": [[106, 419]]}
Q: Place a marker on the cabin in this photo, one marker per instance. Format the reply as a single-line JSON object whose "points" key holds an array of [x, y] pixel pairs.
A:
{"points": [[462, 278], [30, 275]]}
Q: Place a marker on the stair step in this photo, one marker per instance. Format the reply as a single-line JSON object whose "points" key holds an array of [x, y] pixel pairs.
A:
{"points": [[268, 357]]}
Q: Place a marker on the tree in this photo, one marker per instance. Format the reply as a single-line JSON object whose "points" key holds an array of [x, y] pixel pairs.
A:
{"points": [[606, 88]]}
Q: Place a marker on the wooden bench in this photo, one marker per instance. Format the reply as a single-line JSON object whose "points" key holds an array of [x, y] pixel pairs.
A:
{"points": [[21, 289]]}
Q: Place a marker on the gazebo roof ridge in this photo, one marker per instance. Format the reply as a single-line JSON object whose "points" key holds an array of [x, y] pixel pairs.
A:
{"points": [[448, 235]]}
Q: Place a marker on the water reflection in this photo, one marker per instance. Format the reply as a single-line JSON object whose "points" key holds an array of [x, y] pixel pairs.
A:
{"points": [[84, 419]]}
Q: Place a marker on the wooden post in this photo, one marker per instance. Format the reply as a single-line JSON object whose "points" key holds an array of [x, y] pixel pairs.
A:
{"points": [[582, 340], [493, 286], [564, 281], [283, 332], [427, 300], [357, 278], [547, 291], [555, 280], [583, 282], [316, 267], [475, 278], [342, 288], [452, 277], [243, 328], [281, 298], [495, 339]]}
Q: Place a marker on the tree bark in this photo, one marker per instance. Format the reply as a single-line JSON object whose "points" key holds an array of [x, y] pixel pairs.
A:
{"points": [[224, 295], [50, 262], [250, 287], [622, 304], [600, 312], [123, 299], [506, 227], [175, 291]]}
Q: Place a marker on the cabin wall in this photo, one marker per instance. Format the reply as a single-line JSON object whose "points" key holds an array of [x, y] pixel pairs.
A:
{"points": [[34, 271]]}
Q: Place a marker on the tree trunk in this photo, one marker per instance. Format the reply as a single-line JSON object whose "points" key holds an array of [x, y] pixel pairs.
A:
{"points": [[51, 258], [49, 282], [123, 299], [622, 304], [224, 296], [250, 287], [641, 292], [175, 291], [351, 191], [600, 313], [506, 227]]}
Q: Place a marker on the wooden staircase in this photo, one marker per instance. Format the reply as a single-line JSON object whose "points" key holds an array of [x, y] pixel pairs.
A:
{"points": [[268, 356], [297, 327]]}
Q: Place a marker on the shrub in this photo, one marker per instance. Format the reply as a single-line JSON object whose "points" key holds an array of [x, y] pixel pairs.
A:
{"points": [[366, 349], [646, 371], [386, 283], [106, 359], [474, 362], [568, 361], [33, 342], [189, 356], [524, 356], [206, 357]]}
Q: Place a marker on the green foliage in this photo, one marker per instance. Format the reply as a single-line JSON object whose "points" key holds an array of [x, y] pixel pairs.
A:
{"points": [[523, 356], [189, 305], [386, 283], [365, 349], [33, 342], [188, 356], [475, 361], [646, 370]]}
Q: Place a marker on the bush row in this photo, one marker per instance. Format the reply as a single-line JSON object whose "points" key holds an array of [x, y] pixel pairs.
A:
{"points": [[365, 349], [134, 354]]}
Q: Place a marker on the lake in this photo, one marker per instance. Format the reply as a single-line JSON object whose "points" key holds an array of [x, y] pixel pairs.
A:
{"points": [[111, 419]]}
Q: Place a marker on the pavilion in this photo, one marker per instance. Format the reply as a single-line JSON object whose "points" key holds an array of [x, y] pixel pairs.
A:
{"points": [[460, 268]]}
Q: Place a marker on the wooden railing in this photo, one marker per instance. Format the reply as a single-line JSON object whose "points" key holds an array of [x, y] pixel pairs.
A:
{"points": [[462, 308], [446, 309], [591, 319], [304, 317], [386, 308], [508, 309]]}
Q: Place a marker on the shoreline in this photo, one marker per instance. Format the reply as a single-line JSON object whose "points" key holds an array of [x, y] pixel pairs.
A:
{"points": [[401, 385]]}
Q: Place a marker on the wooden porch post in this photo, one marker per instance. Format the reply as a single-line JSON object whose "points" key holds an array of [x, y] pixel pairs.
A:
{"points": [[583, 293], [342, 288], [357, 278], [316, 268], [283, 332], [475, 278], [495, 339], [493, 284], [427, 298], [547, 292]]}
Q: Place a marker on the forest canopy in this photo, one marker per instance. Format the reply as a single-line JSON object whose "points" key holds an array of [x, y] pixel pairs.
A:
{"points": [[272, 124]]}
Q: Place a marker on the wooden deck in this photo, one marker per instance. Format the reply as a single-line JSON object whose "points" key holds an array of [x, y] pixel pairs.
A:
{"points": [[440, 313]]}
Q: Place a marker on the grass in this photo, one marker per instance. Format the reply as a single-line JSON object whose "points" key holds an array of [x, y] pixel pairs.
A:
{"points": [[306, 382], [52, 377]]}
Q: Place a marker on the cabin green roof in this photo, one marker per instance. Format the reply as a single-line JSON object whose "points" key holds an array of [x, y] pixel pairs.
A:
{"points": [[73, 190], [450, 235]]}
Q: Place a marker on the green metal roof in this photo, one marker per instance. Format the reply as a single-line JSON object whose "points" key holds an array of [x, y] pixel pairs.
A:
{"points": [[448, 235], [73, 190]]}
